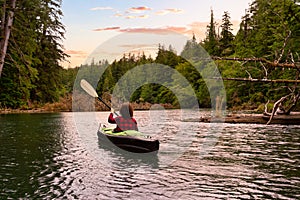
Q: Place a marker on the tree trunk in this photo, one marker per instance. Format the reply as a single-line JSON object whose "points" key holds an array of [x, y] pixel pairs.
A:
{"points": [[7, 25]]}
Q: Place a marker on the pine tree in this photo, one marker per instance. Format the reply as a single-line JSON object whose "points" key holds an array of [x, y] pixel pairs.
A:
{"points": [[193, 51], [269, 29], [211, 43], [50, 31], [226, 37], [32, 69], [242, 35]]}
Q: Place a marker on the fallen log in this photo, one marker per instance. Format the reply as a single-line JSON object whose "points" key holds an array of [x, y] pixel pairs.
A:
{"points": [[292, 119]]}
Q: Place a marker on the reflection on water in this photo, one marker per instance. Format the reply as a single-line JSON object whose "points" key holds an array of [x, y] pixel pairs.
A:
{"points": [[42, 156]]}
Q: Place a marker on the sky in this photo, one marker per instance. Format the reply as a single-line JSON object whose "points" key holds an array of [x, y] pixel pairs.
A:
{"points": [[92, 25]]}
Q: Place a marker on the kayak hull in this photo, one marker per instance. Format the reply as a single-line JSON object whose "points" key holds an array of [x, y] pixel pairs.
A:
{"points": [[135, 144]]}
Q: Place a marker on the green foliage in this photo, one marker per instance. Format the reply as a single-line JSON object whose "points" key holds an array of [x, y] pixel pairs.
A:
{"points": [[32, 70], [268, 28], [150, 92]]}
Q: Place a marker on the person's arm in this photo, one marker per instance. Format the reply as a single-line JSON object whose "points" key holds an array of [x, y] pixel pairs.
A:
{"points": [[136, 127], [111, 119]]}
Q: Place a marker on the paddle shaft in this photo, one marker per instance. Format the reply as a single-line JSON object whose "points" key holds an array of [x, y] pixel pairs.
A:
{"points": [[99, 98]]}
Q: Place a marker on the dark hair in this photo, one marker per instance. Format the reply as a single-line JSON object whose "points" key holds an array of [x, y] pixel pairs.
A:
{"points": [[126, 110]]}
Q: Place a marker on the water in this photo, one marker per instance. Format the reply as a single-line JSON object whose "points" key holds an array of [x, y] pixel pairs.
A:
{"points": [[45, 156]]}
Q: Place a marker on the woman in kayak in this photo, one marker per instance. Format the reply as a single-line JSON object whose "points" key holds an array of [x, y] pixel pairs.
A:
{"points": [[125, 121]]}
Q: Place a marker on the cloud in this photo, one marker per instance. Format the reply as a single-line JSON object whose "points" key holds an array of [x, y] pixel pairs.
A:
{"points": [[169, 10], [174, 10], [138, 9], [74, 52], [135, 17], [143, 16], [159, 31], [130, 17], [197, 28], [108, 29], [137, 46], [162, 12], [118, 15], [101, 8]]}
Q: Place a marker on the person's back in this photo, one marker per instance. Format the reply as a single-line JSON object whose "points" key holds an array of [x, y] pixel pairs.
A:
{"points": [[125, 121]]}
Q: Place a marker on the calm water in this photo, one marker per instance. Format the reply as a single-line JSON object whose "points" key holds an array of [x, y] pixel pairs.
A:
{"points": [[49, 156]]}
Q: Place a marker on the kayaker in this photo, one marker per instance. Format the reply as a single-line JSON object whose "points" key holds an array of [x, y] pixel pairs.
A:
{"points": [[125, 121]]}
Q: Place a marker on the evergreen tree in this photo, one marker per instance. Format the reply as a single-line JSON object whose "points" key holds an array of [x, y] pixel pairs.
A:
{"points": [[241, 38], [32, 69], [167, 57], [211, 43], [226, 37], [271, 30], [50, 31], [193, 51]]}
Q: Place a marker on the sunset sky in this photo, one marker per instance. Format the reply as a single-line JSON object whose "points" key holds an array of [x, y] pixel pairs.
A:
{"points": [[90, 23]]}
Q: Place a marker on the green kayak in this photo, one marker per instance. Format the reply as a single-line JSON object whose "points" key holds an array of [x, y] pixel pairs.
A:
{"points": [[130, 140]]}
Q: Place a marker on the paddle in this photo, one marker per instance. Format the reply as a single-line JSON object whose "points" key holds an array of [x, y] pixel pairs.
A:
{"points": [[86, 86]]}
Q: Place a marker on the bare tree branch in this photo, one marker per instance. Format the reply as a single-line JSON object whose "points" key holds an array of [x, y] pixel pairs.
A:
{"points": [[260, 80], [275, 107], [263, 60], [283, 48]]}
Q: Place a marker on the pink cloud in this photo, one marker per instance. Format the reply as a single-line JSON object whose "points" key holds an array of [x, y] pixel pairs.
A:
{"points": [[174, 10], [130, 17], [75, 53], [143, 16], [138, 9], [197, 28], [162, 12], [159, 31], [107, 29], [135, 17], [136, 46], [118, 15]]}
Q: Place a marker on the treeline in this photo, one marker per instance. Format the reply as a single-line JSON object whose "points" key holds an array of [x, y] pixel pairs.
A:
{"points": [[157, 92], [269, 33]]}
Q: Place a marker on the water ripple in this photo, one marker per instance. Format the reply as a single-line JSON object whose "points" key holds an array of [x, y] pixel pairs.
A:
{"points": [[247, 162]]}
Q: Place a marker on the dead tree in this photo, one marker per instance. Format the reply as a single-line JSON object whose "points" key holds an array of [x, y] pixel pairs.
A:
{"points": [[6, 25]]}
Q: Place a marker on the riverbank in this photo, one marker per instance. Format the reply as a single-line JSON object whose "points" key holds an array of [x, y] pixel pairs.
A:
{"points": [[292, 119], [66, 106]]}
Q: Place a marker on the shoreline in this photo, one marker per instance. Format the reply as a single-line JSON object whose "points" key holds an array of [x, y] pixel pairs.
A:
{"points": [[243, 117], [55, 108]]}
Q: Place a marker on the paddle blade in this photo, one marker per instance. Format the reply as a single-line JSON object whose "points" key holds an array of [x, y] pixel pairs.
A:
{"points": [[86, 86]]}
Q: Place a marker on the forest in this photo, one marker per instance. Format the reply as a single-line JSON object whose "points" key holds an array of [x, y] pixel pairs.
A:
{"points": [[259, 64]]}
